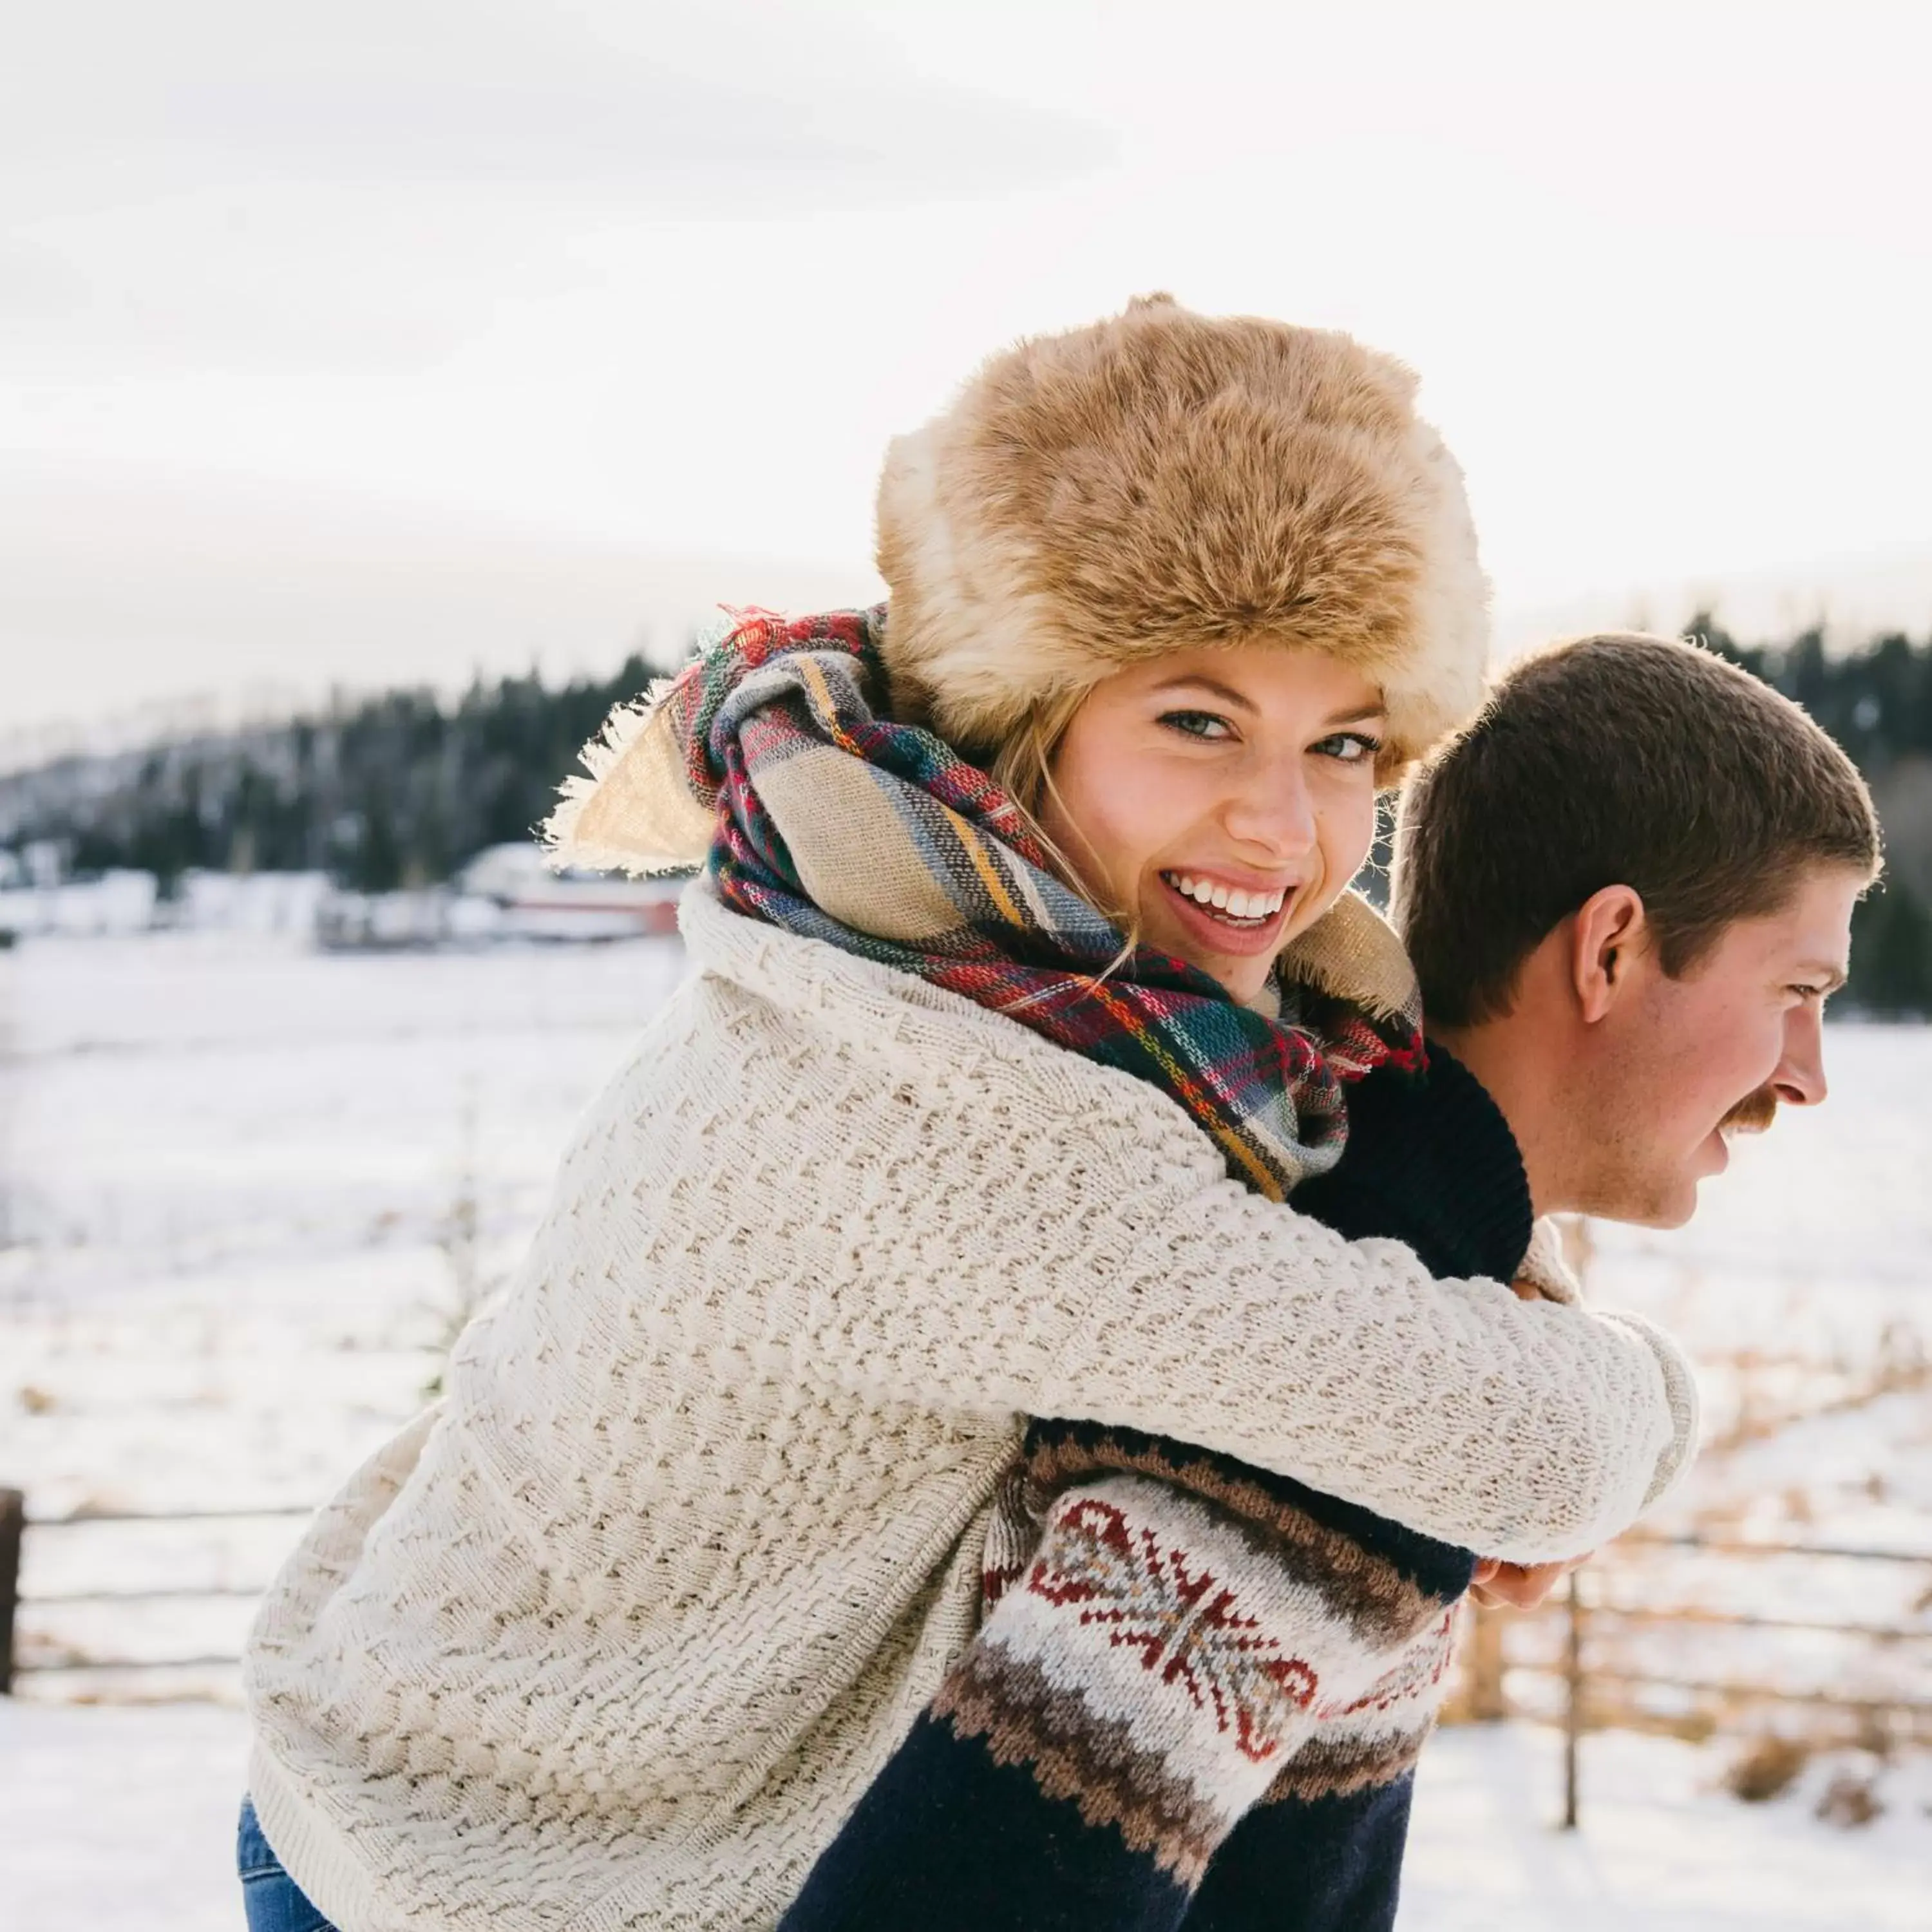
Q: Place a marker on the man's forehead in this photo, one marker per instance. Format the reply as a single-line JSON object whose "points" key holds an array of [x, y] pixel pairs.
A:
{"points": [[1811, 931]]}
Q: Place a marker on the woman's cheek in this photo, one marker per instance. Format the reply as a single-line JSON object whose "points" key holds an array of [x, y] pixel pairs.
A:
{"points": [[1348, 827]]}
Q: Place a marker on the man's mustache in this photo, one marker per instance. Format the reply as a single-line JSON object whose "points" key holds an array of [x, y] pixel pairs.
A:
{"points": [[1752, 1114]]}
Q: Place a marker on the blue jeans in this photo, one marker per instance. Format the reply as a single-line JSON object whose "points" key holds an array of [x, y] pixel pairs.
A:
{"points": [[268, 1894]]}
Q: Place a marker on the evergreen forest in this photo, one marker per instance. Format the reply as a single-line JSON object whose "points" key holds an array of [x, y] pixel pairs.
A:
{"points": [[401, 788], [397, 790]]}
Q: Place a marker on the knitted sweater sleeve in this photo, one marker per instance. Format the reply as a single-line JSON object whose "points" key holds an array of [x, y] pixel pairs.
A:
{"points": [[1526, 1430]]}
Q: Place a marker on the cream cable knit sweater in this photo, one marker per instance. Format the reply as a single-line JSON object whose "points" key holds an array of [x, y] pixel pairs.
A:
{"points": [[616, 1635]]}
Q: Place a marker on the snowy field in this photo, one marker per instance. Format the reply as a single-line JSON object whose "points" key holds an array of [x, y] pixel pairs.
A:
{"points": [[118, 1820], [246, 1190]]}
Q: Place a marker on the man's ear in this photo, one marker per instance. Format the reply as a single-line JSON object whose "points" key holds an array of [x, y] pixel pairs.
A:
{"points": [[1607, 932]]}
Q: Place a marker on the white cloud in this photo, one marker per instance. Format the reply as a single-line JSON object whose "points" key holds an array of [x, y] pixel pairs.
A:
{"points": [[666, 277], [715, 110]]}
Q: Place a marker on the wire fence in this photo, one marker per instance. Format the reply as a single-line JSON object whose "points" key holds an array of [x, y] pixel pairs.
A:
{"points": [[43, 1658], [1581, 1643], [1578, 1643]]}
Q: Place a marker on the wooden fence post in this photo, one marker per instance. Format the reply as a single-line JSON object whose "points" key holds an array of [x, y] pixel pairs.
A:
{"points": [[13, 1522], [1483, 1670], [1573, 1704]]}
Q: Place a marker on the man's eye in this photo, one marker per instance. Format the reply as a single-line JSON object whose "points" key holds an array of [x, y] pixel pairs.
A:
{"points": [[1195, 723], [1349, 747]]}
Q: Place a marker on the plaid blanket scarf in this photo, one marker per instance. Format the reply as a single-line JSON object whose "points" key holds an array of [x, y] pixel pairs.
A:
{"points": [[835, 823]]}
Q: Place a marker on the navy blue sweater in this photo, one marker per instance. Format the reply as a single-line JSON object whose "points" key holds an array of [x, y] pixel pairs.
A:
{"points": [[952, 1838]]}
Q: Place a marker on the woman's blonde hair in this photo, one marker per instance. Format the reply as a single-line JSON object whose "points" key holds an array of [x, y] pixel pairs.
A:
{"points": [[1022, 768]]}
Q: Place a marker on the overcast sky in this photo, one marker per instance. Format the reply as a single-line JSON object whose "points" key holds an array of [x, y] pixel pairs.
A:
{"points": [[366, 340]]}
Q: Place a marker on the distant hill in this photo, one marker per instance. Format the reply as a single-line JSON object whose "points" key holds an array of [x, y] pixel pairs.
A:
{"points": [[136, 607], [396, 789], [403, 788]]}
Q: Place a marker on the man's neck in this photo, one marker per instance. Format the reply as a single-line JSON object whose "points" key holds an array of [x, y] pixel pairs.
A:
{"points": [[1433, 1163], [1522, 1091]]}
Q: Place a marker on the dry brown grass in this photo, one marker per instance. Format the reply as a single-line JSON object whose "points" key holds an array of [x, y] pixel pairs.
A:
{"points": [[1849, 1800], [1766, 1769]]}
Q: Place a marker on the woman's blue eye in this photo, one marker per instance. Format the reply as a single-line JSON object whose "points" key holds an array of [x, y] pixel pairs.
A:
{"points": [[1349, 747], [1195, 723]]}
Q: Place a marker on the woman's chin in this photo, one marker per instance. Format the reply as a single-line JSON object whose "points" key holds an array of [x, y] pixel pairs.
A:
{"points": [[1242, 969], [1242, 978]]}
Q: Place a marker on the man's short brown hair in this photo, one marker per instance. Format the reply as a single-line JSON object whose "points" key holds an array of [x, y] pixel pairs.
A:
{"points": [[1617, 759]]}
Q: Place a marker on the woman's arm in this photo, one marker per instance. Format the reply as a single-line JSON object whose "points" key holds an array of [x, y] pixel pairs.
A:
{"points": [[1529, 1431], [1526, 1431]]}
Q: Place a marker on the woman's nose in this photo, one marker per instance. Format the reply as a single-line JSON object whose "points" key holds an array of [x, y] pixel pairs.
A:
{"points": [[1273, 810]]}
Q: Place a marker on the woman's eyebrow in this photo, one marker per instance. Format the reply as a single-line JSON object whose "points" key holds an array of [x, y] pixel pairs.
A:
{"points": [[1226, 692], [1228, 695]]}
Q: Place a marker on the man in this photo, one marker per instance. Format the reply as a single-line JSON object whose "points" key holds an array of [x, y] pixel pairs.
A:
{"points": [[1626, 888]]}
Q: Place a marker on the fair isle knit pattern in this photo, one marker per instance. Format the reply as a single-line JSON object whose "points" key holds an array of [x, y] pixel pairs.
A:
{"points": [[1165, 1661], [840, 825], [1183, 1653], [616, 1635]]}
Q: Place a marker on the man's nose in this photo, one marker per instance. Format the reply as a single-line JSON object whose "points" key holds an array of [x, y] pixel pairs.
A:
{"points": [[1800, 1077]]}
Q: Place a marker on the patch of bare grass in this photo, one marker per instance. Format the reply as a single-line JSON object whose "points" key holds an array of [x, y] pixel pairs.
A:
{"points": [[1766, 1768]]}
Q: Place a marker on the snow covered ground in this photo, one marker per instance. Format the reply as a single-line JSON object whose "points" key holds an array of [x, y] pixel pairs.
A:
{"points": [[123, 1820], [1659, 1848], [245, 1190]]}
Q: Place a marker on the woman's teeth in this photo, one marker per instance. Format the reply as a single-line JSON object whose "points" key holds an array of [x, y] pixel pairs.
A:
{"points": [[1236, 906]]}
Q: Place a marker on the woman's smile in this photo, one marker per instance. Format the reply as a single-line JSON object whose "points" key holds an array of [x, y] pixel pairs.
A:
{"points": [[1224, 917]]}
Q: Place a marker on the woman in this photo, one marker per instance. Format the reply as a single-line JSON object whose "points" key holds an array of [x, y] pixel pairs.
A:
{"points": [[953, 1125]]}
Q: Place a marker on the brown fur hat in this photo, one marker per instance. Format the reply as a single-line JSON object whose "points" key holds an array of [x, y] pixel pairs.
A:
{"points": [[1164, 479]]}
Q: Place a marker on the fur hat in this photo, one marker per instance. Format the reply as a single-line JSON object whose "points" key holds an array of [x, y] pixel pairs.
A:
{"points": [[1163, 479], [1095, 498]]}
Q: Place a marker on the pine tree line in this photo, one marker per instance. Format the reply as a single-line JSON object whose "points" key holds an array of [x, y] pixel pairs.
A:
{"points": [[403, 788], [398, 790]]}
